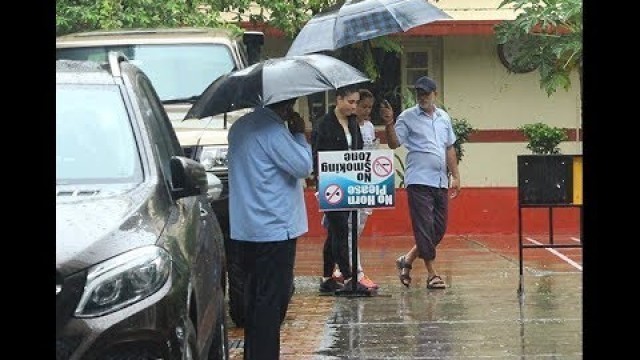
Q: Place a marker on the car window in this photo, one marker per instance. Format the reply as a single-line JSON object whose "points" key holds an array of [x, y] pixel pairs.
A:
{"points": [[94, 136], [174, 69], [163, 123], [156, 118]]}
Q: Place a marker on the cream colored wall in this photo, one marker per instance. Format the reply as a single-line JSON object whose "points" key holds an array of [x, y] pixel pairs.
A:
{"points": [[457, 9], [477, 87], [476, 9], [495, 164], [492, 164]]}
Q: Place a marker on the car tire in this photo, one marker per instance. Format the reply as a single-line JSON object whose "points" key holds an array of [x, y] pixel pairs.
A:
{"points": [[219, 349], [236, 278], [189, 349]]}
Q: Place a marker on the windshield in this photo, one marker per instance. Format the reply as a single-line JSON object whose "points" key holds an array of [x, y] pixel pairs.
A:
{"points": [[177, 71], [94, 138]]}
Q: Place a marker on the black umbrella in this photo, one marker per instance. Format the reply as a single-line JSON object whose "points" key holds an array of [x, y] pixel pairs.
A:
{"points": [[274, 80], [359, 20]]}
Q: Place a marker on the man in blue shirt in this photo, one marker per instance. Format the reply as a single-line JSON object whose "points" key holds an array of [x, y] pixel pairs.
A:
{"points": [[268, 161], [427, 133]]}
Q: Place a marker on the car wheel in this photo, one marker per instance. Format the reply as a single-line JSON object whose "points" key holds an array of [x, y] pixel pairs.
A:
{"points": [[236, 277], [220, 343], [189, 349]]}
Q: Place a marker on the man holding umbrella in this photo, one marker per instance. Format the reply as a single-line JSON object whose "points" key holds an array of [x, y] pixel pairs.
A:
{"points": [[267, 162]]}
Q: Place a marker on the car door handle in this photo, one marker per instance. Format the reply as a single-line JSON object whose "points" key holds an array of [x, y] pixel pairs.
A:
{"points": [[203, 212]]}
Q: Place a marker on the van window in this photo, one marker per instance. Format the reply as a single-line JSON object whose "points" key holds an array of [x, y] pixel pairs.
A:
{"points": [[176, 70]]}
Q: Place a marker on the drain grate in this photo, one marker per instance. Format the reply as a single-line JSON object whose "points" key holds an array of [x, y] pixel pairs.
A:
{"points": [[236, 344]]}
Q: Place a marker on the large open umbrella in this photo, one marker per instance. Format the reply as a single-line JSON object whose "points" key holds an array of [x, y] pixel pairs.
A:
{"points": [[359, 20], [274, 80]]}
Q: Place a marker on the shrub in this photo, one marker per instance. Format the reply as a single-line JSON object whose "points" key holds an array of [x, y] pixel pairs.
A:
{"points": [[543, 139]]}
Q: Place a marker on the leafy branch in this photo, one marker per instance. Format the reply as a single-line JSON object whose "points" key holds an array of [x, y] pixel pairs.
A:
{"points": [[543, 138], [550, 34]]}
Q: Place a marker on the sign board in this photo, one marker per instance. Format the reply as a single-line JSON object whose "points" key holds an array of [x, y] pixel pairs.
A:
{"points": [[356, 179]]}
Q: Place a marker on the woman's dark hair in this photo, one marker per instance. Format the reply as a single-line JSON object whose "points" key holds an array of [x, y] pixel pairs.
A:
{"points": [[365, 94], [346, 90]]}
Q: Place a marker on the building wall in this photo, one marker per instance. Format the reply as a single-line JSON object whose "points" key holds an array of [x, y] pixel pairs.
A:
{"points": [[478, 88], [475, 211], [474, 85], [476, 9]]}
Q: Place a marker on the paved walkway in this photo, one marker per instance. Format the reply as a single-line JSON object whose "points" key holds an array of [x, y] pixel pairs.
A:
{"points": [[480, 315]]}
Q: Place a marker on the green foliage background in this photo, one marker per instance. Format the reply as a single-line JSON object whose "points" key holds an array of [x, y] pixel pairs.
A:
{"points": [[286, 15], [551, 35], [86, 15], [543, 138]]}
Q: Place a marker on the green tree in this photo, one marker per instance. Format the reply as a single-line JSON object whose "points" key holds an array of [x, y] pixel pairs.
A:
{"points": [[288, 16], [543, 138], [84, 15], [550, 32]]}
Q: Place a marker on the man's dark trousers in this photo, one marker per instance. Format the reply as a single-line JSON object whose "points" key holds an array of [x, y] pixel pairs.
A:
{"points": [[269, 270]]}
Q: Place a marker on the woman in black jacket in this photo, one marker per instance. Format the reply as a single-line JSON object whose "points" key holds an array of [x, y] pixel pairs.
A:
{"points": [[337, 130]]}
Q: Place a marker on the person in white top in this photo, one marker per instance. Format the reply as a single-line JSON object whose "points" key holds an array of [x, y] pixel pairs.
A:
{"points": [[370, 141]]}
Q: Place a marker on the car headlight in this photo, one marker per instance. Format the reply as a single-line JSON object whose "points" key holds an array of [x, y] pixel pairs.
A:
{"points": [[214, 157], [124, 280]]}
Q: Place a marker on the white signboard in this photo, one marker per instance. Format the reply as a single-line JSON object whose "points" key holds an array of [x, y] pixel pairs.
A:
{"points": [[356, 179]]}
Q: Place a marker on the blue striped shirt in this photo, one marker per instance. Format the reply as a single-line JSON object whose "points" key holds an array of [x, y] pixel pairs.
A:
{"points": [[266, 165], [426, 139]]}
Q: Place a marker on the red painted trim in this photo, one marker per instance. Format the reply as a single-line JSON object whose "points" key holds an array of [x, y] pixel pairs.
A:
{"points": [[486, 136], [453, 27], [267, 29], [437, 28], [510, 135], [475, 211], [506, 135]]}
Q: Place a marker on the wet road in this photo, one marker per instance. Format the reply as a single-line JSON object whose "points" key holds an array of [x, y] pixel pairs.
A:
{"points": [[479, 315]]}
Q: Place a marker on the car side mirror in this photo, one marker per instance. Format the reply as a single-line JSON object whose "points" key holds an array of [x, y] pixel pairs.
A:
{"points": [[215, 186], [188, 177]]}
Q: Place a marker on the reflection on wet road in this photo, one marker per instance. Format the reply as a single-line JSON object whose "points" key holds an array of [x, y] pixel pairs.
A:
{"points": [[478, 316]]}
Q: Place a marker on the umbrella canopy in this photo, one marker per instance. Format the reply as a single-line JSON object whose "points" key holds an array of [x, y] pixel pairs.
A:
{"points": [[359, 20], [274, 80]]}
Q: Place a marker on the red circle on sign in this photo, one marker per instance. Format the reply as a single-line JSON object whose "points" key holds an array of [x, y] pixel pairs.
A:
{"points": [[382, 166]]}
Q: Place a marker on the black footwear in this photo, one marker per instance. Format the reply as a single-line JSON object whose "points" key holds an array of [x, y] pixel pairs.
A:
{"points": [[330, 285], [360, 288]]}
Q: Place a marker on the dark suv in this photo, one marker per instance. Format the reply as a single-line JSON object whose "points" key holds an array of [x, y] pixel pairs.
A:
{"points": [[139, 251], [181, 63]]}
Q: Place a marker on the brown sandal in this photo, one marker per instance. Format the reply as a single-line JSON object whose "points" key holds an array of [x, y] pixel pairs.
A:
{"points": [[436, 282], [403, 270]]}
